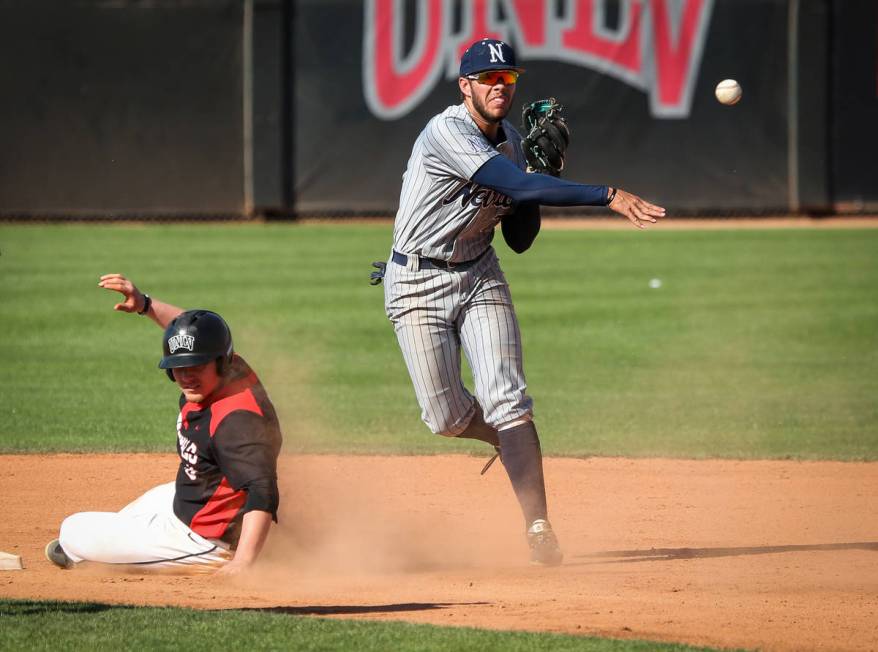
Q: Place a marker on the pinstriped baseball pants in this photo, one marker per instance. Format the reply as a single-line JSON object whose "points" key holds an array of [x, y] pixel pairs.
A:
{"points": [[435, 313]]}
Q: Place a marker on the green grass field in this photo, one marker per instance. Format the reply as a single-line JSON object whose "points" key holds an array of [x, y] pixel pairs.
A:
{"points": [[91, 626], [758, 344]]}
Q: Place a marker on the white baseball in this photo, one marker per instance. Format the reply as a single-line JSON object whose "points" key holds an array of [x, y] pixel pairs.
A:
{"points": [[728, 92]]}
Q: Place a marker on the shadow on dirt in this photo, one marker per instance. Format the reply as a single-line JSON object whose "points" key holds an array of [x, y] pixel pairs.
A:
{"points": [[664, 554], [333, 610], [20, 608]]}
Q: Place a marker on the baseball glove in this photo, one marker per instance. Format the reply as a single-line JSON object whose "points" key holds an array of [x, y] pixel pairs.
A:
{"points": [[377, 276], [547, 136]]}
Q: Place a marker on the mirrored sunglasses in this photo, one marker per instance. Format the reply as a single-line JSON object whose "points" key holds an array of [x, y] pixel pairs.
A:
{"points": [[493, 77]]}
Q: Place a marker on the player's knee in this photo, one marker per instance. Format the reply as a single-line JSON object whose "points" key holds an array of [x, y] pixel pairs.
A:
{"points": [[442, 422], [446, 427], [444, 431]]}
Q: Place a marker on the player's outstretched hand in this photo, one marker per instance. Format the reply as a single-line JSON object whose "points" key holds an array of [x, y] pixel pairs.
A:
{"points": [[637, 210], [133, 298], [233, 568]]}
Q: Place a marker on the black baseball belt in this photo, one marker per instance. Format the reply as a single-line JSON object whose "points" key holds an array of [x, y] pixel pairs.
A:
{"points": [[435, 263]]}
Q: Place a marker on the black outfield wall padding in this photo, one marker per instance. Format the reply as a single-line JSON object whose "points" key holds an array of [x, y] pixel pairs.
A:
{"points": [[165, 108], [121, 108], [636, 79], [854, 105]]}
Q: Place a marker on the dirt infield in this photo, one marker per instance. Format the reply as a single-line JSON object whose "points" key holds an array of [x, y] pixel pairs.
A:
{"points": [[771, 554]]}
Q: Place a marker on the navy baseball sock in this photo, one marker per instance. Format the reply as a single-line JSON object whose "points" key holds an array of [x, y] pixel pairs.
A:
{"points": [[523, 459], [478, 429]]}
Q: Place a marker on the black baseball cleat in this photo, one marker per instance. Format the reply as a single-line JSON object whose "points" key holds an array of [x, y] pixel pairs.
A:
{"points": [[55, 554], [544, 548]]}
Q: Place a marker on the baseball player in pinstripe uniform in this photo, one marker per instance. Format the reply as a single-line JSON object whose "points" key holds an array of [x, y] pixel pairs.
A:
{"points": [[444, 289]]}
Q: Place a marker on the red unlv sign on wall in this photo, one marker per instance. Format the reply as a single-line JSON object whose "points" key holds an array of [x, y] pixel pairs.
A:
{"points": [[655, 45]]}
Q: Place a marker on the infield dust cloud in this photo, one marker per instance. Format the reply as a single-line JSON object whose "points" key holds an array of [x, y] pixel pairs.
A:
{"points": [[349, 516], [362, 515]]}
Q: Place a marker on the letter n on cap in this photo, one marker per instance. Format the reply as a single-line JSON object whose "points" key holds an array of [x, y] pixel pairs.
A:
{"points": [[496, 52]]}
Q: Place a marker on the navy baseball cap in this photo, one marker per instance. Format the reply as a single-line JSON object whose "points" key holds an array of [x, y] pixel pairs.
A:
{"points": [[488, 54]]}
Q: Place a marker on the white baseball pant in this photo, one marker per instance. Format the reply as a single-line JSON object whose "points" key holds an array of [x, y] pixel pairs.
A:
{"points": [[145, 533]]}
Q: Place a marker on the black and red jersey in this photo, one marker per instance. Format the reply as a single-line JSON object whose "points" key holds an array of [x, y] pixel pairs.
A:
{"points": [[228, 447]]}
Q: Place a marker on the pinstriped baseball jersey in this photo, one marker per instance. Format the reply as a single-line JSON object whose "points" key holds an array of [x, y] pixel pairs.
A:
{"points": [[436, 313], [442, 214]]}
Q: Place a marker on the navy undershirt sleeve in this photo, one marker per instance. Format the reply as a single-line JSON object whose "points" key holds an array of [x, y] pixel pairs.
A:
{"points": [[501, 174]]}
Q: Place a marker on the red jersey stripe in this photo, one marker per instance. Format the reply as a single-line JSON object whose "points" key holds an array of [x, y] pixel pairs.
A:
{"points": [[184, 413], [240, 401], [212, 520]]}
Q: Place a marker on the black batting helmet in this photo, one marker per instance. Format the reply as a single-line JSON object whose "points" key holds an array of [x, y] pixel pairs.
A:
{"points": [[194, 338]]}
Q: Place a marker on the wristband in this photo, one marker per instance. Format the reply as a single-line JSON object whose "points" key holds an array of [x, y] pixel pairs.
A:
{"points": [[147, 304], [611, 197]]}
